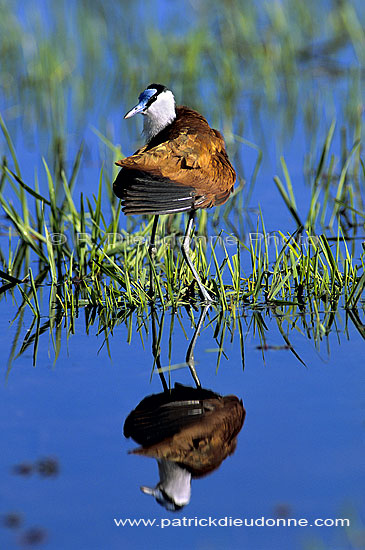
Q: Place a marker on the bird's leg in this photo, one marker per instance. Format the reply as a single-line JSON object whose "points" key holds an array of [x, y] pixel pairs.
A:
{"points": [[185, 250], [156, 351], [152, 253], [190, 352]]}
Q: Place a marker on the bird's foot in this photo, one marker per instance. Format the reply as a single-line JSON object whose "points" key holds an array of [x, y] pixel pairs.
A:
{"points": [[207, 298]]}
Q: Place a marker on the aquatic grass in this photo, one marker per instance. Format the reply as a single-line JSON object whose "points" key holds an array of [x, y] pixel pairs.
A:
{"points": [[342, 193], [73, 241], [316, 322]]}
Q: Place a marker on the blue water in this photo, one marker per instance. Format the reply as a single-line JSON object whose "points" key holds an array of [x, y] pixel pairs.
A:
{"points": [[300, 448]]}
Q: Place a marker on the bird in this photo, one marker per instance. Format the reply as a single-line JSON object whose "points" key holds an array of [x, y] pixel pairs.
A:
{"points": [[190, 431], [182, 167]]}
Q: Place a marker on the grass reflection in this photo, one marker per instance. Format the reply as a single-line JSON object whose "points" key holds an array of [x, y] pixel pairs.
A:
{"points": [[242, 326]]}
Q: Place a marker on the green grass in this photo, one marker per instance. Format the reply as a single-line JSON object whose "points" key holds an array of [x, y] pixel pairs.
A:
{"points": [[67, 249], [76, 245]]}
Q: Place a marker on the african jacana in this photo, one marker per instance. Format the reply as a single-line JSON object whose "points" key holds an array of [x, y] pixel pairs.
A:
{"points": [[182, 167]]}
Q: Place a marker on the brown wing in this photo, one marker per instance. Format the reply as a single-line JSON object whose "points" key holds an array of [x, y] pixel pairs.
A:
{"points": [[162, 415], [183, 168]]}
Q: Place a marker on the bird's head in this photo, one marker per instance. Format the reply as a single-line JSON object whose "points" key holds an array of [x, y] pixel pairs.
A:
{"points": [[174, 488], [163, 498], [157, 104]]}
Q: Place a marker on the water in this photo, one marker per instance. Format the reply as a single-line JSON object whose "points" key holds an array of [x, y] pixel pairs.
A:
{"points": [[300, 449]]}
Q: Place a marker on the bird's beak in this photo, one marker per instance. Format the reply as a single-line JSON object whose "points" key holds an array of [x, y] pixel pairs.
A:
{"points": [[149, 490], [137, 109], [143, 100]]}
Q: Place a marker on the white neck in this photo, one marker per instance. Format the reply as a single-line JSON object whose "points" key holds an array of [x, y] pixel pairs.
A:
{"points": [[175, 481], [159, 115]]}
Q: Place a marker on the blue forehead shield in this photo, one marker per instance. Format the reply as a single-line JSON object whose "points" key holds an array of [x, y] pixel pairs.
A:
{"points": [[143, 100]]}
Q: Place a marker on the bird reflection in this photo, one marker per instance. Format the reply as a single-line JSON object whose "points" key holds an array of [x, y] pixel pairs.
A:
{"points": [[189, 430]]}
